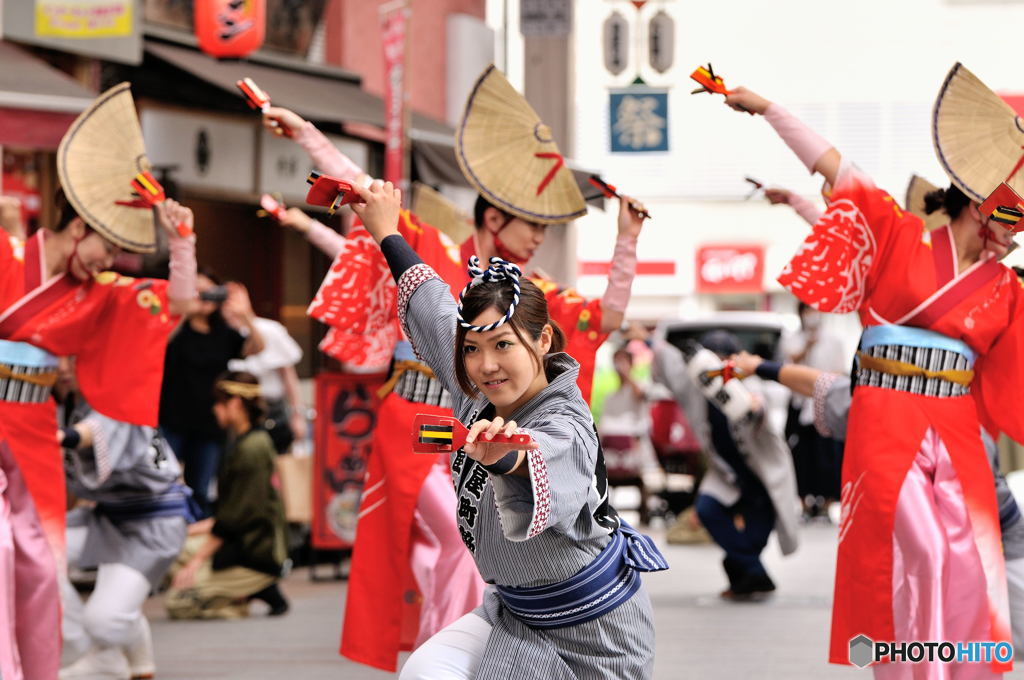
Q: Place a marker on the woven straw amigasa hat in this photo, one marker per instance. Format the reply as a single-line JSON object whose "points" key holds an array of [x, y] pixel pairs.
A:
{"points": [[917, 189], [978, 138], [97, 159], [509, 156], [439, 211]]}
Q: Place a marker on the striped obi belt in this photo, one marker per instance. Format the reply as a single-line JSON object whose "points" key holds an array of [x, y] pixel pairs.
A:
{"points": [[26, 373], [914, 360], [176, 501], [604, 584]]}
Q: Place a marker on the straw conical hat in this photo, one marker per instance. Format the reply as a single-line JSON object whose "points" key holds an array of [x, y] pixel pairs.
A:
{"points": [[507, 154], [917, 189], [437, 210], [978, 138], [98, 157]]}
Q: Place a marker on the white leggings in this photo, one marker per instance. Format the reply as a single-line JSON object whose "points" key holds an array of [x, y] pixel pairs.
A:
{"points": [[112, 617], [453, 654]]}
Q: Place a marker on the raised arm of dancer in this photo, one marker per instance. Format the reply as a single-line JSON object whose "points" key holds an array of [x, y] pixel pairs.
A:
{"points": [[805, 208], [181, 284], [623, 268], [326, 240], [812, 149], [426, 307], [326, 157]]}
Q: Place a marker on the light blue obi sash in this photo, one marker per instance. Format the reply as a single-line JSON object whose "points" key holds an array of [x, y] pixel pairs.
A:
{"points": [[909, 336]]}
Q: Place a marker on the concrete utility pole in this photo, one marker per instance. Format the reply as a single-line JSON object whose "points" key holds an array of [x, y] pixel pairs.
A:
{"points": [[547, 29]]}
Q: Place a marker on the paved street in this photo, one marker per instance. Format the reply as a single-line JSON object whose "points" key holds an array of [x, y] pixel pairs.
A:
{"points": [[699, 636]]}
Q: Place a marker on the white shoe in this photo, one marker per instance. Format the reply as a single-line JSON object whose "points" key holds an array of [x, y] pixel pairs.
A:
{"points": [[108, 663], [141, 662]]}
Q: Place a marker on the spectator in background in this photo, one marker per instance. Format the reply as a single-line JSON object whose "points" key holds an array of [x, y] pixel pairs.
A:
{"points": [[238, 554], [817, 459], [625, 432], [10, 217], [274, 367], [750, 473], [220, 329]]}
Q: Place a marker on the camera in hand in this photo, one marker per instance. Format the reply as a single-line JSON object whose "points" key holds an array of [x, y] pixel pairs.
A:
{"points": [[215, 294]]}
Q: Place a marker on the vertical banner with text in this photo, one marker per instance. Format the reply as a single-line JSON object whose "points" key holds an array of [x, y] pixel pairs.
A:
{"points": [[346, 407], [394, 28]]}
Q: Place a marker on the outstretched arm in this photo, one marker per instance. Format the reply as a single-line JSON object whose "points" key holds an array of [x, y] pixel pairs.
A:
{"points": [[426, 307], [326, 157], [326, 240], [623, 267], [181, 285], [812, 149], [803, 207]]}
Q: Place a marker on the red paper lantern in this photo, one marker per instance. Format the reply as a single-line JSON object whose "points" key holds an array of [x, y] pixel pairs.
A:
{"points": [[230, 28]]}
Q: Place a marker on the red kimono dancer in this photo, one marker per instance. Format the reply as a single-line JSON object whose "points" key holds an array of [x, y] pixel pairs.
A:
{"points": [[919, 540], [118, 328]]}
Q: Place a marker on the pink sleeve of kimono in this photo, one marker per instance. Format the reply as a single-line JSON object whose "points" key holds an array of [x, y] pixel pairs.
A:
{"points": [[182, 280], [621, 275], [326, 157], [328, 241], [805, 208], [807, 144]]}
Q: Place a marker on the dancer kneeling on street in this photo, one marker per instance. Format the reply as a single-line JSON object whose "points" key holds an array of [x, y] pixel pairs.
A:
{"points": [[535, 516], [243, 555]]}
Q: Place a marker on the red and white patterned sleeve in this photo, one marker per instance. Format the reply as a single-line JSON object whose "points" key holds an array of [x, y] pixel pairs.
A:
{"points": [[836, 266]]}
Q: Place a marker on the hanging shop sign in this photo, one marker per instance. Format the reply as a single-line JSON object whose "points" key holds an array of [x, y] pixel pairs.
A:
{"points": [[545, 18], [638, 119]]}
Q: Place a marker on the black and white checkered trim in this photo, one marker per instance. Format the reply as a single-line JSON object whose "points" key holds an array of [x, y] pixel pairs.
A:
{"points": [[413, 277], [21, 391], [929, 358]]}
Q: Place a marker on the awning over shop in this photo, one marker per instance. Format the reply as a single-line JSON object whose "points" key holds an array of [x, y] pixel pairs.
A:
{"points": [[333, 99], [37, 102], [316, 97]]}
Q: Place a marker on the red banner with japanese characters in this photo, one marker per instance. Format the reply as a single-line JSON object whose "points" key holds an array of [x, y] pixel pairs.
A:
{"points": [[346, 407], [394, 19], [730, 268]]}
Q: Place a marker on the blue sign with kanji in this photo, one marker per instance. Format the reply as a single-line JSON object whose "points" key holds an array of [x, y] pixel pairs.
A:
{"points": [[638, 119]]}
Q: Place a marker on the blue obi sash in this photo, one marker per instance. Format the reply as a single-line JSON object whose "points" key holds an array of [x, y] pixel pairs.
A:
{"points": [[177, 501], [909, 336], [604, 584]]}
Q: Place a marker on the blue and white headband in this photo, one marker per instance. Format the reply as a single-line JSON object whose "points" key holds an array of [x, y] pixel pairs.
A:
{"points": [[500, 270]]}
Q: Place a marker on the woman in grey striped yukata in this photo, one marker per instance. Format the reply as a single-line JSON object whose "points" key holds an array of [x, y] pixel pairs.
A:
{"points": [[564, 600]]}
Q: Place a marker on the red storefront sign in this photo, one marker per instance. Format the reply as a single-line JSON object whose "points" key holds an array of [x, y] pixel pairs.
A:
{"points": [[346, 407], [394, 18], [730, 269]]}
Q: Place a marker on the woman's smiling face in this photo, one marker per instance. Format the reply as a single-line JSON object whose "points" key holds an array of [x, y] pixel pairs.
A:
{"points": [[503, 367]]}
